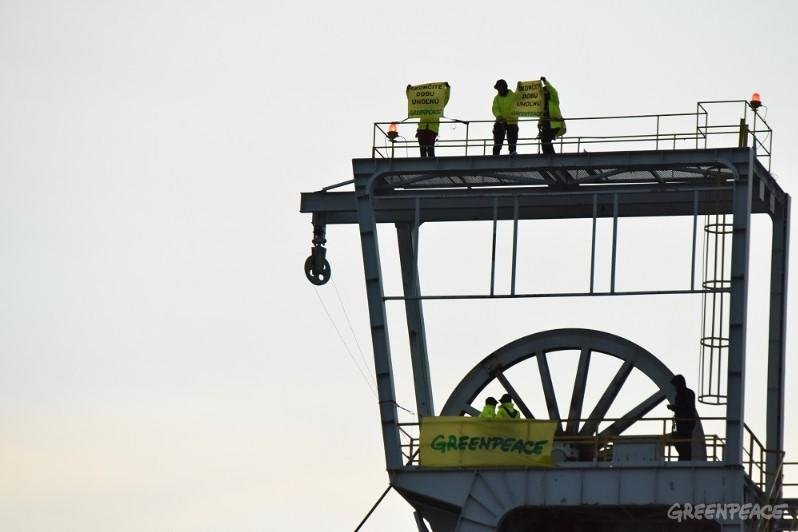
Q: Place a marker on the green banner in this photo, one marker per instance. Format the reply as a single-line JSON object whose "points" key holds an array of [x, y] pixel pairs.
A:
{"points": [[528, 98], [455, 441], [427, 100]]}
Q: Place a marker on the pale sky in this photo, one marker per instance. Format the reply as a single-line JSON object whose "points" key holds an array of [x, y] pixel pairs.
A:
{"points": [[164, 364]]}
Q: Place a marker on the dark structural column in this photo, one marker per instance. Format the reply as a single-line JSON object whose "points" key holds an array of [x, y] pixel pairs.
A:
{"points": [[780, 251], [379, 324], [735, 407], [407, 237]]}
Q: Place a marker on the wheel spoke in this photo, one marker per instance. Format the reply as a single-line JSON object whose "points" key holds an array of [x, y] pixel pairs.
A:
{"points": [[548, 387], [603, 405], [578, 393], [471, 411], [633, 415], [517, 398]]}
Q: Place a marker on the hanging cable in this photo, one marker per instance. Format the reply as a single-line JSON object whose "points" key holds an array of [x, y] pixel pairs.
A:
{"points": [[351, 329], [349, 351], [384, 493], [403, 408], [346, 347]]}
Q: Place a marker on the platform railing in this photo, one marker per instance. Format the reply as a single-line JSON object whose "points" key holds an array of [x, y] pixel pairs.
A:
{"points": [[656, 428], [598, 448], [790, 470], [759, 131], [664, 131]]}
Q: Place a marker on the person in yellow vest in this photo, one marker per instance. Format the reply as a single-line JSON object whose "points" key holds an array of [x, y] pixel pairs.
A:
{"points": [[489, 410], [550, 124], [427, 131], [507, 409], [505, 123]]}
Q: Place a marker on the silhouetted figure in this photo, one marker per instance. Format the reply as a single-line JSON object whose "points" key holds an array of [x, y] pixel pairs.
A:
{"points": [[505, 123], [684, 416]]}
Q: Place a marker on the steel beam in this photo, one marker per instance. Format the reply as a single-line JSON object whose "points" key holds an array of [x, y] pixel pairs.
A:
{"points": [[644, 160], [584, 488], [533, 203], [407, 238], [780, 251], [738, 302], [379, 324]]}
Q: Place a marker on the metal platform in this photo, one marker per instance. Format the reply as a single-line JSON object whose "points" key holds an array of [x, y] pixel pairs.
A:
{"points": [[476, 501], [658, 183]]}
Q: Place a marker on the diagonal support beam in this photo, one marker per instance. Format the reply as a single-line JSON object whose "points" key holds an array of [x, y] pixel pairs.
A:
{"points": [[517, 398], [603, 406], [578, 393]]}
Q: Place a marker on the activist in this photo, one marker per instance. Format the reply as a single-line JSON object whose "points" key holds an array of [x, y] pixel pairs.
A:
{"points": [[684, 417], [506, 122], [551, 124], [489, 410], [428, 127], [507, 408]]}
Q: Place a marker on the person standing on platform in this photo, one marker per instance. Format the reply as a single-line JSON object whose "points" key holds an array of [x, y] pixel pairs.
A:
{"points": [[428, 127], [507, 408], [685, 416], [489, 410], [550, 125], [505, 123]]}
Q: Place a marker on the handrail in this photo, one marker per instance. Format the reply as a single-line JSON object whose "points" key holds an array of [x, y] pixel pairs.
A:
{"points": [[772, 492], [659, 134], [754, 460]]}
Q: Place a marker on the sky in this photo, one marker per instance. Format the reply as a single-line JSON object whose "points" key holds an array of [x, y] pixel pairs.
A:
{"points": [[164, 364]]}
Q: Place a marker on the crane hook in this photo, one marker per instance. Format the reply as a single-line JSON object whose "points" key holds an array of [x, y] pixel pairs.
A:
{"points": [[317, 268]]}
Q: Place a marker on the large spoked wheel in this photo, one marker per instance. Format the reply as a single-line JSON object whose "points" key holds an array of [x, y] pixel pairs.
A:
{"points": [[543, 348]]}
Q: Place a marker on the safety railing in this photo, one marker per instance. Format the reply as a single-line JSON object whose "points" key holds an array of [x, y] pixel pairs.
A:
{"points": [[790, 471], [754, 459], [598, 447], [658, 430], [758, 130], [666, 131]]}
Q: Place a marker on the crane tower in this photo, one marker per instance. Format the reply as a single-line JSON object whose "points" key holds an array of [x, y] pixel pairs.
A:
{"points": [[602, 476]]}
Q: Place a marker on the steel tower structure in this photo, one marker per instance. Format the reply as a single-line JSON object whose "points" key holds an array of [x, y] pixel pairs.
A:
{"points": [[586, 487]]}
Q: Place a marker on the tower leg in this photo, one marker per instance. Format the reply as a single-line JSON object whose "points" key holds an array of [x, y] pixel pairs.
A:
{"points": [[408, 247], [780, 251], [379, 324], [735, 407]]}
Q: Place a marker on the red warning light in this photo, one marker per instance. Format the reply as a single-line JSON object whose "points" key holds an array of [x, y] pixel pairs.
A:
{"points": [[756, 101], [392, 133]]}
